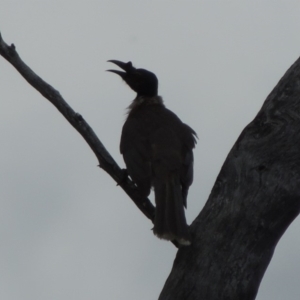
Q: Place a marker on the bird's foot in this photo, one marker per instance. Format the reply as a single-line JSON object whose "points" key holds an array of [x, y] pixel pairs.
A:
{"points": [[124, 177]]}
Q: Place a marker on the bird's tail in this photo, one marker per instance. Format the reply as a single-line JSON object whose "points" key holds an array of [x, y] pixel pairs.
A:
{"points": [[170, 223]]}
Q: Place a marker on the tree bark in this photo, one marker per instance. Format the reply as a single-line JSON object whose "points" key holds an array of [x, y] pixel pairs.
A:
{"points": [[255, 198]]}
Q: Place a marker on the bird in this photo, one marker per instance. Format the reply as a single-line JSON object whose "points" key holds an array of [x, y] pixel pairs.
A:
{"points": [[157, 148]]}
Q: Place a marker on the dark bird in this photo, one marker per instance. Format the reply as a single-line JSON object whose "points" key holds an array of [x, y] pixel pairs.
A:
{"points": [[157, 150]]}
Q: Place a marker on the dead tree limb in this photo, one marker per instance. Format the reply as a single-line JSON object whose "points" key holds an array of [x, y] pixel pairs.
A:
{"points": [[106, 162], [255, 198]]}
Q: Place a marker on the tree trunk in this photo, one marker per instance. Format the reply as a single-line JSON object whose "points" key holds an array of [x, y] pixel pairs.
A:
{"points": [[255, 198]]}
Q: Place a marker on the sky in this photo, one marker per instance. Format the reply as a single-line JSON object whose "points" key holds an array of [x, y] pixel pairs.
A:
{"points": [[66, 230]]}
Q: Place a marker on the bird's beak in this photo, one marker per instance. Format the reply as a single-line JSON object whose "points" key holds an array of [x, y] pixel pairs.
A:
{"points": [[127, 67]]}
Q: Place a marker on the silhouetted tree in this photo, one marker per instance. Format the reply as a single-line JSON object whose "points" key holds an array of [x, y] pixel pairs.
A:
{"points": [[255, 198]]}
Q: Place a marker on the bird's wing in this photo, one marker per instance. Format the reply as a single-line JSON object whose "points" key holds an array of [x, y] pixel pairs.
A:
{"points": [[136, 154]]}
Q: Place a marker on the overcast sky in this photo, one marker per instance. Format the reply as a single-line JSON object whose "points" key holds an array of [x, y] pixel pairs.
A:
{"points": [[66, 230]]}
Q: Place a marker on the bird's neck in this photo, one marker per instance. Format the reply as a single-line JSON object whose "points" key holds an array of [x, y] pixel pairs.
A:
{"points": [[145, 101]]}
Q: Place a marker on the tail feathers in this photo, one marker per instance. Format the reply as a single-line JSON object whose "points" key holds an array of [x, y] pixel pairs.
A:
{"points": [[170, 223]]}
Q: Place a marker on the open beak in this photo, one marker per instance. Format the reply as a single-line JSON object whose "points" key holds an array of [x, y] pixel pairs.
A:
{"points": [[127, 67]]}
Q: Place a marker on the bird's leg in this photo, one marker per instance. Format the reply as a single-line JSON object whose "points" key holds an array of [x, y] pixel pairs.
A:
{"points": [[124, 177]]}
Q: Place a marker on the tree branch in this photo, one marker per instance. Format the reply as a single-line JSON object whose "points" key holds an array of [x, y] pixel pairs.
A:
{"points": [[255, 198], [106, 162]]}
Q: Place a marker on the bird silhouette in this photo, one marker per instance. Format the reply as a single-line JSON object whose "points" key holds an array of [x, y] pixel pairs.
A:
{"points": [[157, 149]]}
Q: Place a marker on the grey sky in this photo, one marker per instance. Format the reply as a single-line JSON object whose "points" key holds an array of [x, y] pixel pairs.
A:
{"points": [[66, 230]]}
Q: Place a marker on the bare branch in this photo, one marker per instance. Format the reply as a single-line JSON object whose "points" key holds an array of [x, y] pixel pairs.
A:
{"points": [[255, 198], [106, 162]]}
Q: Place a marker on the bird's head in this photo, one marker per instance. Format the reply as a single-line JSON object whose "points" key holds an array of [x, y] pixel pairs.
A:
{"points": [[143, 82]]}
